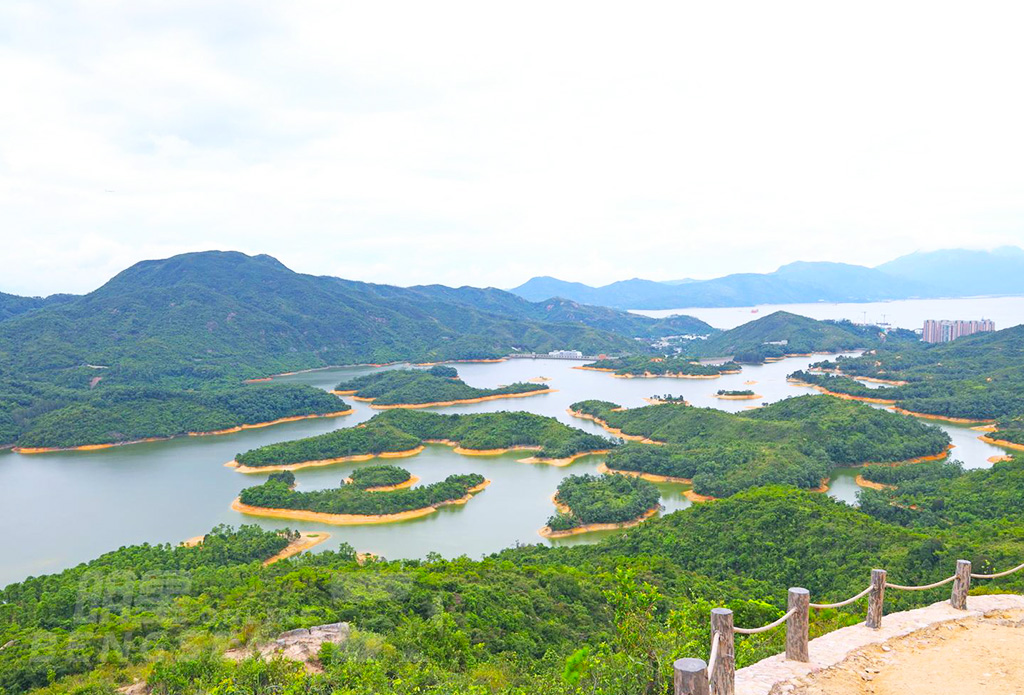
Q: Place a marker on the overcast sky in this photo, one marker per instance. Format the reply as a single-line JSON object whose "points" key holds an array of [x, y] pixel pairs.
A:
{"points": [[483, 143]]}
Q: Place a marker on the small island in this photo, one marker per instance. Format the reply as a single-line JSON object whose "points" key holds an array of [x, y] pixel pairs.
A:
{"points": [[381, 478], [352, 505], [667, 398], [588, 503], [426, 388], [642, 366], [400, 433], [743, 395]]}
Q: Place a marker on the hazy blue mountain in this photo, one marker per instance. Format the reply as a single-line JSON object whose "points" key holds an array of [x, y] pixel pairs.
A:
{"points": [[963, 273], [794, 283]]}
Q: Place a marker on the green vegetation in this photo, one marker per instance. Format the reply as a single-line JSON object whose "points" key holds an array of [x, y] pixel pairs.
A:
{"points": [[602, 499], [898, 475], [980, 377], [286, 477], [195, 326], [374, 437], [743, 392], [127, 414], [352, 499], [641, 365], [416, 386], [669, 398], [796, 441], [782, 333], [933, 495], [402, 430], [604, 618], [379, 476]]}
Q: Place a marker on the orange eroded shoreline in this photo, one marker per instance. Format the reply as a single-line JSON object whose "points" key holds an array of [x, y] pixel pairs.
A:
{"points": [[352, 519], [305, 541], [323, 462], [844, 396], [658, 401], [1002, 443], [389, 488], [917, 459], [230, 430], [864, 482], [612, 430], [654, 478], [999, 459], [436, 404], [546, 532], [928, 416]]}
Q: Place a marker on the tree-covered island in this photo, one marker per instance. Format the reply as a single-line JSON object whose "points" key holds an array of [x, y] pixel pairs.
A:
{"points": [[796, 441], [673, 366], [600, 502], [376, 478], [351, 504], [403, 432], [417, 388]]}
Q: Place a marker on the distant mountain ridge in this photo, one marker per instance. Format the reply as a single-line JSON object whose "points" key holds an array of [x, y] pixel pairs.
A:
{"points": [[948, 273]]}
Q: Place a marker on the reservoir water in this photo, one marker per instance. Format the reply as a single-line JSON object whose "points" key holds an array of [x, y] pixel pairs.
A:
{"points": [[59, 509]]}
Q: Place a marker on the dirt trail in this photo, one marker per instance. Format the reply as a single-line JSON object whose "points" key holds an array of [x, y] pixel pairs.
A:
{"points": [[976, 656]]}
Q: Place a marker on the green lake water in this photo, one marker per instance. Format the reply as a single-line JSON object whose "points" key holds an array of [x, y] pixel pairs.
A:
{"points": [[63, 508]]}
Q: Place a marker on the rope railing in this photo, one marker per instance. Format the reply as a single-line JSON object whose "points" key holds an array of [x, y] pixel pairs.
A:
{"points": [[764, 628], [713, 657], [840, 604], [935, 585], [718, 675], [997, 575]]}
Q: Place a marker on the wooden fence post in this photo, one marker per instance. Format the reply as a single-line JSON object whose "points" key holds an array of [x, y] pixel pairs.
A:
{"points": [[723, 677], [798, 624], [691, 677], [961, 585], [876, 599]]}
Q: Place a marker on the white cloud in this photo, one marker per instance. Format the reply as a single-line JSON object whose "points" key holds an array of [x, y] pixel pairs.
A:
{"points": [[474, 143]]}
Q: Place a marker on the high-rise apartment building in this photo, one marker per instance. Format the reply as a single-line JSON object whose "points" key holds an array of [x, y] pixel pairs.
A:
{"points": [[945, 331]]}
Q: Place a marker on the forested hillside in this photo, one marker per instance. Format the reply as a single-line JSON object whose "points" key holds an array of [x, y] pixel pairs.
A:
{"points": [[796, 441], [979, 377], [439, 384], [602, 618], [206, 321]]}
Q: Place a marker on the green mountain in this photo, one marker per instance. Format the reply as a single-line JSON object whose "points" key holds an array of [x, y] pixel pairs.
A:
{"points": [[783, 333], [113, 365], [12, 305]]}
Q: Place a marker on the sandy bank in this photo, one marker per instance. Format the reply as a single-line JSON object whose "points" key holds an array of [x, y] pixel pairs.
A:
{"points": [[258, 425], [352, 519], [304, 542], [733, 397], [696, 496], [749, 383], [1001, 442], [612, 430], [658, 401], [256, 381], [654, 478], [546, 532], [323, 462], [876, 380], [844, 396], [944, 418], [999, 459], [461, 401], [985, 428], [595, 369], [671, 375], [539, 379], [917, 459], [871, 485], [389, 488], [564, 461]]}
